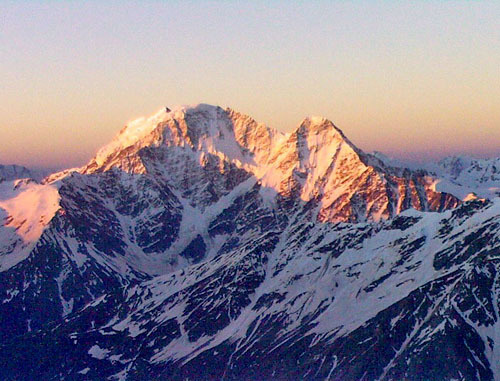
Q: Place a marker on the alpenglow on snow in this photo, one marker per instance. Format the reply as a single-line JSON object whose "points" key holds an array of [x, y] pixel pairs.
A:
{"points": [[201, 244]]}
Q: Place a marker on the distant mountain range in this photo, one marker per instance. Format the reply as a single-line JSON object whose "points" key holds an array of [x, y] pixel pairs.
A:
{"points": [[201, 244], [14, 172], [460, 175]]}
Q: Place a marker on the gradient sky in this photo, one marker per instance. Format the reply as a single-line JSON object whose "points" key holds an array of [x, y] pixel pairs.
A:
{"points": [[415, 81]]}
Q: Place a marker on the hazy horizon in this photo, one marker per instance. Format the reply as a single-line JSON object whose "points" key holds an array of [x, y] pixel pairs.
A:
{"points": [[412, 158], [414, 81]]}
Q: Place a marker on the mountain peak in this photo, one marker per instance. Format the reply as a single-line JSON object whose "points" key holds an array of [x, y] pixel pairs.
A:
{"points": [[201, 128], [325, 130], [317, 124], [314, 162]]}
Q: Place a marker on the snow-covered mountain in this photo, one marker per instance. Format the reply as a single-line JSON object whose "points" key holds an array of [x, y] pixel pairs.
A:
{"points": [[395, 300], [465, 174], [202, 244], [315, 162], [15, 172], [466, 169]]}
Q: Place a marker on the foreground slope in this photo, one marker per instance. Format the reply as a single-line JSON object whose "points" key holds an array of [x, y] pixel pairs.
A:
{"points": [[199, 236], [415, 297]]}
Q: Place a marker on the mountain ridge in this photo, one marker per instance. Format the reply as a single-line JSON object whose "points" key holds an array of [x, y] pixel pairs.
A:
{"points": [[284, 162], [200, 236]]}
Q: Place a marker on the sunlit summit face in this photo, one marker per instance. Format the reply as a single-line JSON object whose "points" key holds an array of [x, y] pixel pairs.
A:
{"points": [[415, 81]]}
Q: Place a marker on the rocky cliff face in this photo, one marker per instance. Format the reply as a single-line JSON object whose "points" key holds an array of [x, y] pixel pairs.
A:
{"points": [[202, 244], [313, 162]]}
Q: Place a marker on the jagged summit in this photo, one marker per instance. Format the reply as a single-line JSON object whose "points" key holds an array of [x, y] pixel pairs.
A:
{"points": [[204, 128], [319, 124], [315, 162], [235, 136], [224, 132]]}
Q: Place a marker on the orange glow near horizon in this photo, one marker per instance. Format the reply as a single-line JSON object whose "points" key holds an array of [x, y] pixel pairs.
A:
{"points": [[415, 81]]}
